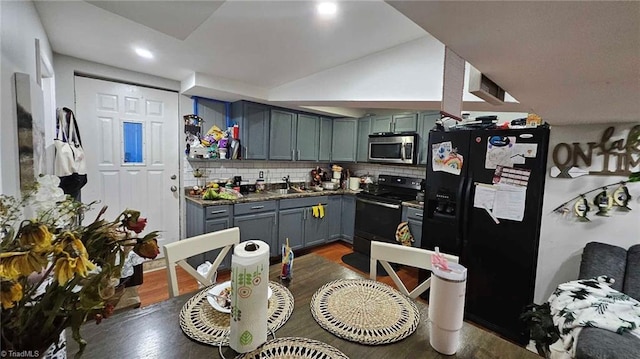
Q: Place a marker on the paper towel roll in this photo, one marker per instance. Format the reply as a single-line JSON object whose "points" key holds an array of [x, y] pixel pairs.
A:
{"points": [[249, 295]]}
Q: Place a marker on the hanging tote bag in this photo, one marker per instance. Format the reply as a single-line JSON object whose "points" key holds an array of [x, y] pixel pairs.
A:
{"points": [[70, 163]]}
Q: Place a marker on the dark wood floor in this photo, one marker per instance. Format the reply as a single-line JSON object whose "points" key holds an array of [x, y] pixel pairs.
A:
{"points": [[155, 288]]}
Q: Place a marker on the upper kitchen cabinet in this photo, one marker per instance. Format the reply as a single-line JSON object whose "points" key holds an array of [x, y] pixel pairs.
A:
{"points": [[395, 123], [282, 140], [253, 119], [344, 140], [213, 113], [308, 138], [426, 123], [364, 129], [405, 122], [381, 124], [326, 134]]}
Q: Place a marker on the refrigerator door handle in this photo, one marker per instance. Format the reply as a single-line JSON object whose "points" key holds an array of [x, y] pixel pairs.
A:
{"points": [[465, 210], [460, 207]]}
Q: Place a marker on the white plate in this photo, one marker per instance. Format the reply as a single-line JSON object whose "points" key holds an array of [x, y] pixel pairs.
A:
{"points": [[218, 289]]}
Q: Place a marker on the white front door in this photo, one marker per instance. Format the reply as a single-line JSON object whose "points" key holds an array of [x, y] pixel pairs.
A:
{"points": [[130, 137]]}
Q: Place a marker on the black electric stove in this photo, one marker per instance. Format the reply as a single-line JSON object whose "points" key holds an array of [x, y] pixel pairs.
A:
{"points": [[379, 210]]}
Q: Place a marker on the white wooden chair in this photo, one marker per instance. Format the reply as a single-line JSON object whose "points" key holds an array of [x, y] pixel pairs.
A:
{"points": [[177, 253], [387, 253]]}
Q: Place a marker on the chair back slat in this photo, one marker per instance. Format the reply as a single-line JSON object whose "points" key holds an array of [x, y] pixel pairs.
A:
{"points": [[178, 252], [414, 257]]}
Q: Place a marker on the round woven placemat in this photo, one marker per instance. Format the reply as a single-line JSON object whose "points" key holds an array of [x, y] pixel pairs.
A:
{"points": [[364, 311], [201, 322], [294, 348]]}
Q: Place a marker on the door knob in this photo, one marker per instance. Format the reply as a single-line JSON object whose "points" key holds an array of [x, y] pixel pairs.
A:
{"points": [[174, 188], [173, 177]]}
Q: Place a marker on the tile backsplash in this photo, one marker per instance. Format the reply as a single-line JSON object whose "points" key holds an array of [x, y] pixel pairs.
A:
{"points": [[274, 171]]}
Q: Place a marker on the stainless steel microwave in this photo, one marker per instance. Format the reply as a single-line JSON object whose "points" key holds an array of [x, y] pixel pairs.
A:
{"points": [[393, 148]]}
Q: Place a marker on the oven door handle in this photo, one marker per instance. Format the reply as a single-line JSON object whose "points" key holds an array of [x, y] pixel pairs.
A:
{"points": [[381, 204]]}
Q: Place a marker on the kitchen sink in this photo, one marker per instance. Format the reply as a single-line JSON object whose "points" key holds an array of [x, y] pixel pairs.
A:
{"points": [[288, 191]]}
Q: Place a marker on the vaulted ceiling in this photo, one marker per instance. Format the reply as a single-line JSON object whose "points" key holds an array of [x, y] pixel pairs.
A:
{"points": [[570, 62]]}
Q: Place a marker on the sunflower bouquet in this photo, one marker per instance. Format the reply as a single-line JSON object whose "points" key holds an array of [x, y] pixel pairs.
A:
{"points": [[55, 272]]}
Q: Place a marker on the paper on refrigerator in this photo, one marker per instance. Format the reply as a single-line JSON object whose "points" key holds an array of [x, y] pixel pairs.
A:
{"points": [[509, 202], [501, 201], [446, 159], [485, 196]]}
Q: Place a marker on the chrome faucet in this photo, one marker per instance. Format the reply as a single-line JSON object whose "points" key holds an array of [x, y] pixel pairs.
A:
{"points": [[287, 181]]}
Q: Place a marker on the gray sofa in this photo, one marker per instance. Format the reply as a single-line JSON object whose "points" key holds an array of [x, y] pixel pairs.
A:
{"points": [[624, 266]]}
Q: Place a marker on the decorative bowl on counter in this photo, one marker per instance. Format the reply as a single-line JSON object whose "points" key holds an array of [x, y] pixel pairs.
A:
{"points": [[330, 185]]}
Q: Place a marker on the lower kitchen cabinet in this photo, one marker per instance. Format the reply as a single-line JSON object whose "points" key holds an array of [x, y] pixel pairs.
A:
{"points": [[207, 219], [334, 217], [296, 222], [414, 217], [348, 219], [257, 220]]}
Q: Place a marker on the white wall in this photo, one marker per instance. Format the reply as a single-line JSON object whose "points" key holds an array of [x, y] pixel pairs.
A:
{"points": [[562, 239], [408, 72], [65, 67], [19, 28]]}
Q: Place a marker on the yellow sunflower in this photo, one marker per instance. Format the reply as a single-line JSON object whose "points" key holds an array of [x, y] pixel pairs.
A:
{"points": [[10, 292], [16, 264], [36, 235]]}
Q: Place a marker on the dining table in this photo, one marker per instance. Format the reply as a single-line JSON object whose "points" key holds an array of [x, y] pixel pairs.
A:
{"points": [[154, 331]]}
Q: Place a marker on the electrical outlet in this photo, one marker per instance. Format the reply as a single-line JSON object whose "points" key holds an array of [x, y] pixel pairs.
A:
{"points": [[261, 174]]}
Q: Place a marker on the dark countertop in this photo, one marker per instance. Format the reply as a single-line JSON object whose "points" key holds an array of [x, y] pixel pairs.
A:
{"points": [[267, 196]]}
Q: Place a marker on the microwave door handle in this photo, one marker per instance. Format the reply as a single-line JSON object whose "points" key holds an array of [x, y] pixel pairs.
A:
{"points": [[403, 151]]}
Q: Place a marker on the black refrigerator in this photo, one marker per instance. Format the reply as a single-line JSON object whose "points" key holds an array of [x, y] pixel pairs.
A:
{"points": [[501, 258]]}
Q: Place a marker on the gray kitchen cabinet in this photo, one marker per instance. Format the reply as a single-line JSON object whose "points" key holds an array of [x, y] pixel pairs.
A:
{"points": [[326, 134], [427, 120], [307, 138], [207, 219], [407, 122], [291, 226], [381, 124], [282, 135], [296, 222], [348, 217], [253, 120], [334, 217], [364, 129], [213, 114], [294, 136], [258, 220], [343, 144], [414, 217]]}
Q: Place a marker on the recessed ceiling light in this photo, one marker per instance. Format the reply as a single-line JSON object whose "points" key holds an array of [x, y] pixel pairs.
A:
{"points": [[327, 8], [144, 53]]}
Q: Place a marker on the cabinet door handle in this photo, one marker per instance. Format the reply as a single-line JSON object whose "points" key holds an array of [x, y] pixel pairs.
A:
{"points": [[218, 212], [257, 207], [298, 156], [418, 215]]}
